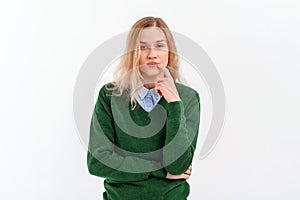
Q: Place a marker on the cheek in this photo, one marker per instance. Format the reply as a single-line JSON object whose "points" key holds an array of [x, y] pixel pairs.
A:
{"points": [[142, 59], [165, 58]]}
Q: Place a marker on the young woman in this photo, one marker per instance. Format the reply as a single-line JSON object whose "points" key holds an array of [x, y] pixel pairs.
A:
{"points": [[145, 124]]}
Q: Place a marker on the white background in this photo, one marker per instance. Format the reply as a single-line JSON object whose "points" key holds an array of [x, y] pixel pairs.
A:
{"points": [[254, 45]]}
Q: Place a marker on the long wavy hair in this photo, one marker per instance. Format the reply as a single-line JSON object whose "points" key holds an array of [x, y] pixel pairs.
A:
{"points": [[127, 74]]}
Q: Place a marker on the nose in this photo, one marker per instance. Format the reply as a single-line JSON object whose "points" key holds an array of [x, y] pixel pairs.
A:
{"points": [[152, 54]]}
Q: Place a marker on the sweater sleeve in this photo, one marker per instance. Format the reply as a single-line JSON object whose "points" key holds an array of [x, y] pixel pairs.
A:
{"points": [[182, 128], [102, 158]]}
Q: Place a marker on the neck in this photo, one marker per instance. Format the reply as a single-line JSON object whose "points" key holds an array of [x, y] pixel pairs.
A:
{"points": [[149, 85]]}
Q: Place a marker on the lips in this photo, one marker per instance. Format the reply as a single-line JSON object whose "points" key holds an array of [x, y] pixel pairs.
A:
{"points": [[152, 63]]}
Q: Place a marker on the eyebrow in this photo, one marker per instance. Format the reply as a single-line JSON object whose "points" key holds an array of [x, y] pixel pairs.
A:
{"points": [[155, 42]]}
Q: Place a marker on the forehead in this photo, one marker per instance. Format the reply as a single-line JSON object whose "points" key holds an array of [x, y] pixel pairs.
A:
{"points": [[152, 35]]}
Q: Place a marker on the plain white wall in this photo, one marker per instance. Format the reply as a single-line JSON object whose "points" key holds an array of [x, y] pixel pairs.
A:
{"points": [[254, 44]]}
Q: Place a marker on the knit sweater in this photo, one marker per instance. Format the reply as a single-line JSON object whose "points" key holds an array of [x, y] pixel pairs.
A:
{"points": [[134, 149]]}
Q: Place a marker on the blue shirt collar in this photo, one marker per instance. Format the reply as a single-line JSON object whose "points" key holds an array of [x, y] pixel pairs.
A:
{"points": [[144, 92]]}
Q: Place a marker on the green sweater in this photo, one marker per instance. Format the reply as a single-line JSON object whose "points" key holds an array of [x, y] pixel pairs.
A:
{"points": [[133, 149]]}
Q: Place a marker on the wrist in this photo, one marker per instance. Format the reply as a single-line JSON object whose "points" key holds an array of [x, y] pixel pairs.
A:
{"points": [[174, 98]]}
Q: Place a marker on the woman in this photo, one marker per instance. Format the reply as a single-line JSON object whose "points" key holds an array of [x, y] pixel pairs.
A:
{"points": [[145, 124]]}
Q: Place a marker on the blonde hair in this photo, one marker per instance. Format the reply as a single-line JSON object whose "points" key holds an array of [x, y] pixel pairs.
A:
{"points": [[127, 75]]}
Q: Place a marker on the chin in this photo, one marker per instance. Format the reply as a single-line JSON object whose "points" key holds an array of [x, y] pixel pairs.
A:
{"points": [[151, 72], [150, 77]]}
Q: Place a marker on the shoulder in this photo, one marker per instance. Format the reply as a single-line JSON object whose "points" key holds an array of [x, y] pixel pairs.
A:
{"points": [[190, 98], [105, 92], [106, 89], [110, 89], [185, 90]]}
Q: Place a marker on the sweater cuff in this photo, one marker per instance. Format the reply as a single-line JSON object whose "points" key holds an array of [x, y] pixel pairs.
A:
{"points": [[161, 173], [174, 110]]}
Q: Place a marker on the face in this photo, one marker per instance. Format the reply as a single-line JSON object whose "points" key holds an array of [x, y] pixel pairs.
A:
{"points": [[154, 52]]}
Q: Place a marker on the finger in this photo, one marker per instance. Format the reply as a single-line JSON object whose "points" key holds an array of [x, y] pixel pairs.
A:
{"points": [[188, 172], [161, 80], [164, 89], [171, 176], [160, 85], [167, 73], [186, 176], [161, 66]]}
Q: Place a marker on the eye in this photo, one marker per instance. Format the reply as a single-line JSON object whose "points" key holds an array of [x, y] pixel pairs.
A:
{"points": [[143, 47], [160, 45]]}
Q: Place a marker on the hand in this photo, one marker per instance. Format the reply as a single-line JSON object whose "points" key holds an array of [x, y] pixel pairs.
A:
{"points": [[185, 175], [166, 87]]}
